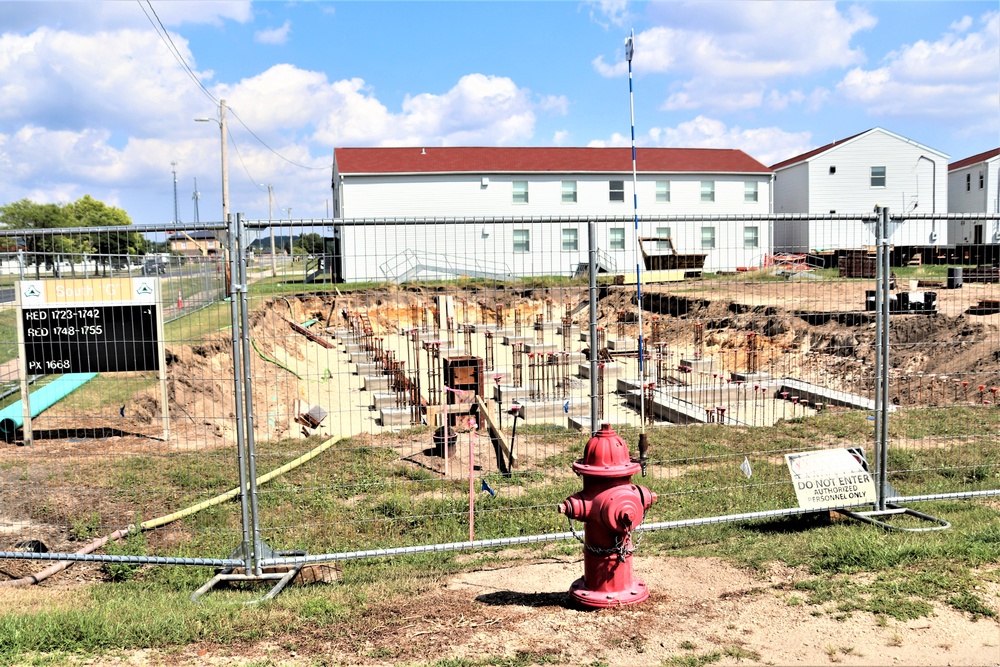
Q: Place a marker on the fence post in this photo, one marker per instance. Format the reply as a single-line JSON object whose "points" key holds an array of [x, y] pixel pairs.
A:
{"points": [[233, 257], [594, 369], [882, 285], [248, 391]]}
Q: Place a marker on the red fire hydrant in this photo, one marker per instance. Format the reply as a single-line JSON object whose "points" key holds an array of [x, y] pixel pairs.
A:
{"points": [[611, 507]]}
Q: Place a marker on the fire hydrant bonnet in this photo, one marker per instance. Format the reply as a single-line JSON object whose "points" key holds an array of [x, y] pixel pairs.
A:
{"points": [[606, 455]]}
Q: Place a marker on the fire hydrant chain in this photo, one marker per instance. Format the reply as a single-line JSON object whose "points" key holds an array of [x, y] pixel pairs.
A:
{"points": [[619, 549]]}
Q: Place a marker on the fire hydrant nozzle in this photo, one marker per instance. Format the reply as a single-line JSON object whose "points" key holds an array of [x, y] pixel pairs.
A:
{"points": [[611, 508]]}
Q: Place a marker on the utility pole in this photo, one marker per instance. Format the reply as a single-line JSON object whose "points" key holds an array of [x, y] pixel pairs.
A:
{"points": [[270, 217], [225, 157], [196, 196], [173, 168]]}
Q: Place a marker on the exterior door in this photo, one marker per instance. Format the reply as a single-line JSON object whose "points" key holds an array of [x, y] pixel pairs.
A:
{"points": [[977, 234]]}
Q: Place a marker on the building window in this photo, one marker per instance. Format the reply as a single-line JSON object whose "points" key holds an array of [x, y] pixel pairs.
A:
{"points": [[833, 169], [522, 240], [662, 234], [707, 238], [521, 192], [617, 238], [569, 192], [981, 181], [570, 239], [708, 190], [751, 237], [662, 192], [968, 182], [616, 191], [878, 177], [750, 191]]}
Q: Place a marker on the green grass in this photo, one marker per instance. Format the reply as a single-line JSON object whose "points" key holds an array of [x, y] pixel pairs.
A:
{"points": [[358, 496]]}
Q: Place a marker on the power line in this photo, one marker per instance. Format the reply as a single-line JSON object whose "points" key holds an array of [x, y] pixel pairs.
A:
{"points": [[174, 51], [265, 145], [164, 36]]}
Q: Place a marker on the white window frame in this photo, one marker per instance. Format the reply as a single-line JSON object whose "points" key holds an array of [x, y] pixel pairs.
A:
{"points": [[613, 191], [662, 192], [708, 191], [618, 243], [876, 177], [662, 232], [522, 241], [518, 193], [710, 237], [574, 233], [750, 192], [569, 193], [751, 241]]}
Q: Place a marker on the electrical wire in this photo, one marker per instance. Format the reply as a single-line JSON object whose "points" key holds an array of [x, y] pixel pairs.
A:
{"points": [[164, 36]]}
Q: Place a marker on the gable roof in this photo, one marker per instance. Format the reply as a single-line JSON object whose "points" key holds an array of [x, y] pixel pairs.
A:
{"points": [[840, 142], [980, 157], [486, 160]]}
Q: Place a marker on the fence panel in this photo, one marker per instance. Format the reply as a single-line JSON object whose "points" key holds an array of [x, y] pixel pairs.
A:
{"points": [[126, 358], [426, 384]]}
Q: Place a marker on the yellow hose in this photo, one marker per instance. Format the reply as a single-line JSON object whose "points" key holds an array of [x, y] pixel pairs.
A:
{"points": [[170, 518]]}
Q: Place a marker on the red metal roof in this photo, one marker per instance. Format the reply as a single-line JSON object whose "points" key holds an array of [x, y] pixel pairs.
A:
{"points": [[981, 157], [814, 152], [483, 160]]}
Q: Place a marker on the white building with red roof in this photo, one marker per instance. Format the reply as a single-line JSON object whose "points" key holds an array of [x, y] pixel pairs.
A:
{"points": [[973, 188], [852, 176], [525, 211]]}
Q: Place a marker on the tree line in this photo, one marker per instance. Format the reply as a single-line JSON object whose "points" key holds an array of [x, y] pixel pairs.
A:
{"points": [[115, 247]]}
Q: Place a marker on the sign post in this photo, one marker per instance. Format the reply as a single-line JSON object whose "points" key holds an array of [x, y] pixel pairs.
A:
{"points": [[96, 325]]}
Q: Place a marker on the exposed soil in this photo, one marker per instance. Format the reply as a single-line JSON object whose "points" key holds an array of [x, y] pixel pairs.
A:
{"points": [[701, 611]]}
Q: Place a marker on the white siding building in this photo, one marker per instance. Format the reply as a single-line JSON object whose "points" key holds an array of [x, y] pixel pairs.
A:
{"points": [[973, 188], [851, 176], [466, 184]]}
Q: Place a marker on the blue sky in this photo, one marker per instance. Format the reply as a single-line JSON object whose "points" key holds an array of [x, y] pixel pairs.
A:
{"points": [[93, 101]]}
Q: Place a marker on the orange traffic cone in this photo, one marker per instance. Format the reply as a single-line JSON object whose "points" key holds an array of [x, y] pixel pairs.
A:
{"points": [[180, 299]]}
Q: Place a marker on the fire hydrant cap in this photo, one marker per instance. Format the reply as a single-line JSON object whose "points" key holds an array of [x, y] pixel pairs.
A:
{"points": [[606, 455]]}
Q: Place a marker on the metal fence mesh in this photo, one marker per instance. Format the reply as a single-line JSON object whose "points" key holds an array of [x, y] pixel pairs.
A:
{"points": [[429, 382]]}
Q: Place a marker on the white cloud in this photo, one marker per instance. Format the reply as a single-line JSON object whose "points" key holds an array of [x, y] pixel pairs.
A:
{"points": [[95, 16], [765, 144], [608, 13], [479, 109], [955, 75], [724, 54], [560, 138], [273, 35]]}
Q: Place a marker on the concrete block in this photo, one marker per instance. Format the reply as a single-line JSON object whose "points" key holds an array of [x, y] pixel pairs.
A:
{"points": [[395, 416], [610, 370], [622, 345], [508, 340], [555, 410], [351, 348], [535, 348], [365, 368], [698, 365], [574, 331], [507, 393], [383, 400], [376, 383]]}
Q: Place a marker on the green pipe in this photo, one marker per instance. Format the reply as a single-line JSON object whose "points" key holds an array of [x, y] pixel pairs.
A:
{"points": [[43, 398]]}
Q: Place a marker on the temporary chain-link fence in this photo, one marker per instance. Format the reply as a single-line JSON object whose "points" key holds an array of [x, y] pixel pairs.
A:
{"points": [[424, 385]]}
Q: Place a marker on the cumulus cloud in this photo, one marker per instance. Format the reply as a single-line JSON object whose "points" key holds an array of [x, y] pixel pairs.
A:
{"points": [[765, 144], [94, 16], [273, 35], [725, 55], [956, 74], [608, 13]]}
